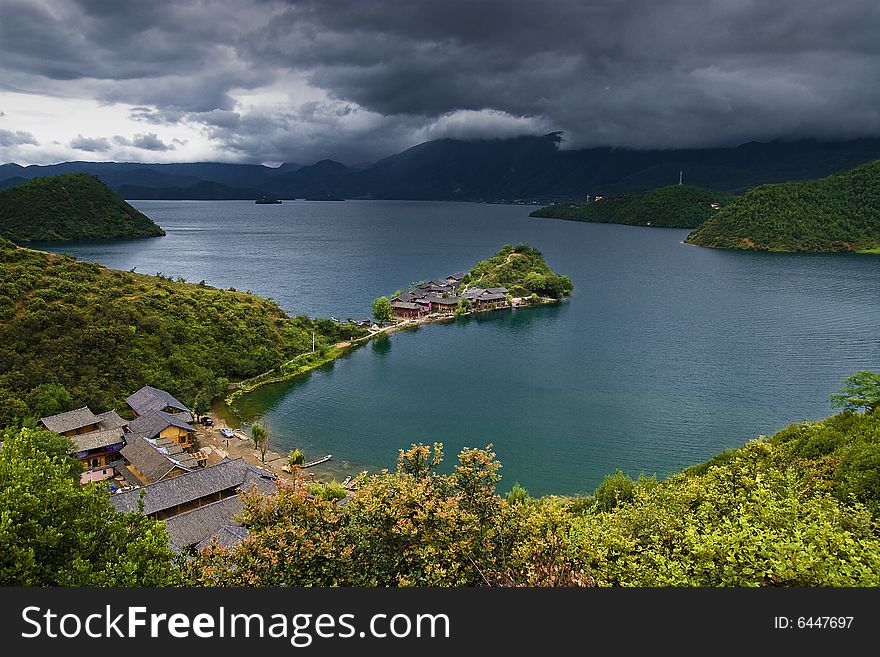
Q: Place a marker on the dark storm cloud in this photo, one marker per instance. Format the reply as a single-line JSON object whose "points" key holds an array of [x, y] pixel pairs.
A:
{"points": [[637, 73], [90, 144], [147, 141], [15, 138]]}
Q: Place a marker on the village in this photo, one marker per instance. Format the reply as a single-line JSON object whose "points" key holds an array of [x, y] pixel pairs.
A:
{"points": [[177, 463], [442, 297], [191, 471]]}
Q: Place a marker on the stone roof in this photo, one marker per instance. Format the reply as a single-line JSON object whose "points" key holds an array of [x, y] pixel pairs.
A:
{"points": [[193, 527], [228, 536], [150, 460], [70, 421], [191, 486], [406, 306], [406, 297], [149, 398], [457, 275], [151, 423], [97, 439], [111, 420], [447, 301]]}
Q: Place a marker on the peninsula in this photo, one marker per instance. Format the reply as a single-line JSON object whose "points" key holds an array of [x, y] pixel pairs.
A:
{"points": [[675, 206], [836, 213], [74, 206]]}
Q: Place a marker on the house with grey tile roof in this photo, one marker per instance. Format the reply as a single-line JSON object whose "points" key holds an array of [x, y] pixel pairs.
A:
{"points": [[97, 440], [159, 424], [192, 490], [150, 463], [80, 420], [149, 398], [190, 529]]}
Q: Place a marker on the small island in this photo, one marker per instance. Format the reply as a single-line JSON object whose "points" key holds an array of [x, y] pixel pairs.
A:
{"points": [[73, 206], [516, 276], [267, 200], [675, 206], [834, 214]]}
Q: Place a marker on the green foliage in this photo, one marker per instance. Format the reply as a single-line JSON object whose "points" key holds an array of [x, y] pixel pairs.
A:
{"points": [[675, 206], [837, 213], [382, 309], [785, 511], [101, 334], [331, 491], [261, 437], [296, 457], [69, 207], [464, 306], [861, 391], [55, 532], [614, 490], [517, 495], [522, 270]]}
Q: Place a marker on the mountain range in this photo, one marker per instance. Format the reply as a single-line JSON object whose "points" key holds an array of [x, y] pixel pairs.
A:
{"points": [[530, 168]]}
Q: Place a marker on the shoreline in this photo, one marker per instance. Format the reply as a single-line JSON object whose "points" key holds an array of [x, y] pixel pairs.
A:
{"points": [[338, 350], [235, 447]]}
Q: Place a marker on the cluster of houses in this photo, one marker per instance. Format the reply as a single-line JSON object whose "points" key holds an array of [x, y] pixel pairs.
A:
{"points": [[442, 296], [154, 456]]}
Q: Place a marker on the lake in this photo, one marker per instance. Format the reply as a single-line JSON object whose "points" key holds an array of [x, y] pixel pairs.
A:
{"points": [[665, 355]]}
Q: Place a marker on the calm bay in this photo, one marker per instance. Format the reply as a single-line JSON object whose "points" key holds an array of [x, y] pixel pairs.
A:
{"points": [[665, 355]]}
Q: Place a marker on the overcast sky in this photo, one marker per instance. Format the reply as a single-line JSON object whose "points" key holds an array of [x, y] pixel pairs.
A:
{"points": [[356, 80]]}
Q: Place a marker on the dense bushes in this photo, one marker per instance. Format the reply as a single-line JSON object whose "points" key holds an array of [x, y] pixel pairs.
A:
{"points": [[522, 270], [784, 511]]}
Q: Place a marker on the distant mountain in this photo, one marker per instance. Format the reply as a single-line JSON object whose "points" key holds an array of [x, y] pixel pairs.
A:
{"points": [[837, 213], [69, 207], [203, 190], [492, 170], [674, 206], [12, 182]]}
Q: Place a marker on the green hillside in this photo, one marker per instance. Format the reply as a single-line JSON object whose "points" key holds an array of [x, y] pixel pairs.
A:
{"points": [[522, 270], [78, 333], [74, 206], [675, 206], [837, 213]]}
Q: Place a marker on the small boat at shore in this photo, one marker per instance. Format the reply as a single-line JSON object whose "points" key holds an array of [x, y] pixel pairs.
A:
{"points": [[323, 459]]}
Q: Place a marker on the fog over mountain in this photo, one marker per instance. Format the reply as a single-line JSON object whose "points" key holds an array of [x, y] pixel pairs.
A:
{"points": [[304, 80]]}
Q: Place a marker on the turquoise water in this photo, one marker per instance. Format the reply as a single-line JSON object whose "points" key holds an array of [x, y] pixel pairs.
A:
{"points": [[665, 355]]}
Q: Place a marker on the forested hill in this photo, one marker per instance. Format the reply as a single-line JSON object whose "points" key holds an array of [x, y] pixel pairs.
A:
{"points": [[522, 270], [836, 213], [69, 207], [75, 333], [675, 206]]}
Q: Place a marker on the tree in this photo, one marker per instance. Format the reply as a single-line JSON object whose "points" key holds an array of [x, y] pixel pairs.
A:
{"points": [[382, 309], [201, 403], [56, 532], [517, 495], [50, 399], [261, 437], [296, 457], [860, 391]]}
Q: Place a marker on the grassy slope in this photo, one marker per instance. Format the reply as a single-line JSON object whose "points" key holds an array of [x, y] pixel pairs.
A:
{"points": [[510, 267], [103, 333], [68, 207], [837, 213], [675, 206]]}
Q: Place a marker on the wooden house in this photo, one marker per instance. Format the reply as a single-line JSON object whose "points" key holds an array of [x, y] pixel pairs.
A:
{"points": [[405, 310], [192, 490], [149, 398], [97, 439], [159, 424], [154, 460]]}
